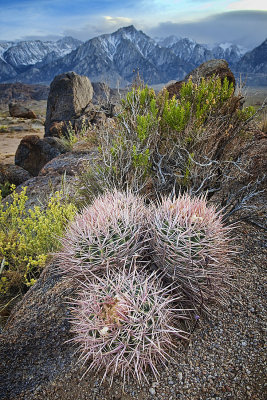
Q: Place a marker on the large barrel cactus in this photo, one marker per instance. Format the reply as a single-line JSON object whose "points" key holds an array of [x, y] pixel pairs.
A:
{"points": [[125, 322], [112, 230], [191, 245]]}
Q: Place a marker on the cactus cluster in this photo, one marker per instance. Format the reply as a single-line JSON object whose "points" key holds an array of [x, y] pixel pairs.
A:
{"points": [[124, 322], [124, 319]]}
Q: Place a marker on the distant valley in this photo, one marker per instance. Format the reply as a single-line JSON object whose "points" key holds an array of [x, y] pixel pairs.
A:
{"points": [[115, 59]]}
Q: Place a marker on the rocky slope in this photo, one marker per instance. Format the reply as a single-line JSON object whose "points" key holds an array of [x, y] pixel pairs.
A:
{"points": [[20, 91], [192, 52], [115, 58], [254, 64]]}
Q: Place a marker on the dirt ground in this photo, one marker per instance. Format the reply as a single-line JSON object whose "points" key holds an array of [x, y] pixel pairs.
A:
{"points": [[12, 130]]}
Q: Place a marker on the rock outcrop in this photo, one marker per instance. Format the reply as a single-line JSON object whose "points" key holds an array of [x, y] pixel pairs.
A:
{"points": [[33, 153], [66, 164], [68, 97], [18, 111], [218, 68], [20, 91]]}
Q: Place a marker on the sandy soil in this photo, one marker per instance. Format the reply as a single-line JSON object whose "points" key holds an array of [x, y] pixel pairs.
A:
{"points": [[12, 130]]}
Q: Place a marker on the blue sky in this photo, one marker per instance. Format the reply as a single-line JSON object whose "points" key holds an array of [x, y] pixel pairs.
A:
{"points": [[207, 21]]}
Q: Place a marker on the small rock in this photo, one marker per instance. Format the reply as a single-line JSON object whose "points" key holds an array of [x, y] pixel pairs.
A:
{"points": [[180, 376], [152, 391]]}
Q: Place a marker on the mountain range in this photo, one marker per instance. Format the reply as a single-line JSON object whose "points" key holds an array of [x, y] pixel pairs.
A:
{"points": [[115, 58]]}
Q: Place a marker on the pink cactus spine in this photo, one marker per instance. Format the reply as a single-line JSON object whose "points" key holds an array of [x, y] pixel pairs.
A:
{"points": [[191, 244], [124, 323], [112, 230]]}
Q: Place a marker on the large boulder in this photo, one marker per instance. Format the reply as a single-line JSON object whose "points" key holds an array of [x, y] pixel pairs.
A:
{"points": [[218, 68], [33, 153], [69, 95], [19, 111], [33, 347]]}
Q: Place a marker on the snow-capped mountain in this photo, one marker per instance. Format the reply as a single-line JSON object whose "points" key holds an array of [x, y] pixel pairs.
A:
{"points": [[253, 65], [195, 53], [4, 46], [113, 58], [22, 54]]}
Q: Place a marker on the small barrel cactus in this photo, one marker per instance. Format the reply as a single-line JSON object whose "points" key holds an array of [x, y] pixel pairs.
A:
{"points": [[191, 244], [125, 322], [111, 231]]}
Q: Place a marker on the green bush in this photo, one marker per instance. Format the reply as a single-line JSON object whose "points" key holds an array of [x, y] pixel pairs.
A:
{"points": [[27, 237], [161, 144]]}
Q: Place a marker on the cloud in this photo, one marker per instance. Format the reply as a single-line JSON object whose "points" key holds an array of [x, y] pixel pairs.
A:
{"points": [[246, 5], [21, 18], [118, 20], [247, 28], [98, 26]]}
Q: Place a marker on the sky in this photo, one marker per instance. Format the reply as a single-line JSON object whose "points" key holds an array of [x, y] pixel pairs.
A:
{"points": [[206, 21]]}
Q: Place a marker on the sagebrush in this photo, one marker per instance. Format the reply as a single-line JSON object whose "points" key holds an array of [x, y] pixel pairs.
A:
{"points": [[161, 144]]}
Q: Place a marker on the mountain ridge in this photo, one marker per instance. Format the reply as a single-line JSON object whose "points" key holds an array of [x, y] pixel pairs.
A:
{"points": [[115, 58]]}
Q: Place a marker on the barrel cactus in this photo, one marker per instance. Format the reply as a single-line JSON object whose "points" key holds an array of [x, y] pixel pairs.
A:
{"points": [[191, 244], [112, 230], [124, 323]]}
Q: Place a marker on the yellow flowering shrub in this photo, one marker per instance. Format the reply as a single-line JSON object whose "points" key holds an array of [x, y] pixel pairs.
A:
{"points": [[27, 236]]}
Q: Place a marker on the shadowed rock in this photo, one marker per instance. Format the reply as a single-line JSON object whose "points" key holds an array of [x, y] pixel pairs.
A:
{"points": [[18, 111], [33, 153], [68, 163], [13, 174]]}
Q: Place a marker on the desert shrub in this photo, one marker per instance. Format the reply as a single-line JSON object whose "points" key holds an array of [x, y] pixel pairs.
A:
{"points": [[111, 231], [70, 134], [182, 144], [192, 246], [125, 323], [27, 236]]}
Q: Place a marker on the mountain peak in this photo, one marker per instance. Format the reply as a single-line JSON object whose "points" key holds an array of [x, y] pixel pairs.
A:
{"points": [[130, 28]]}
